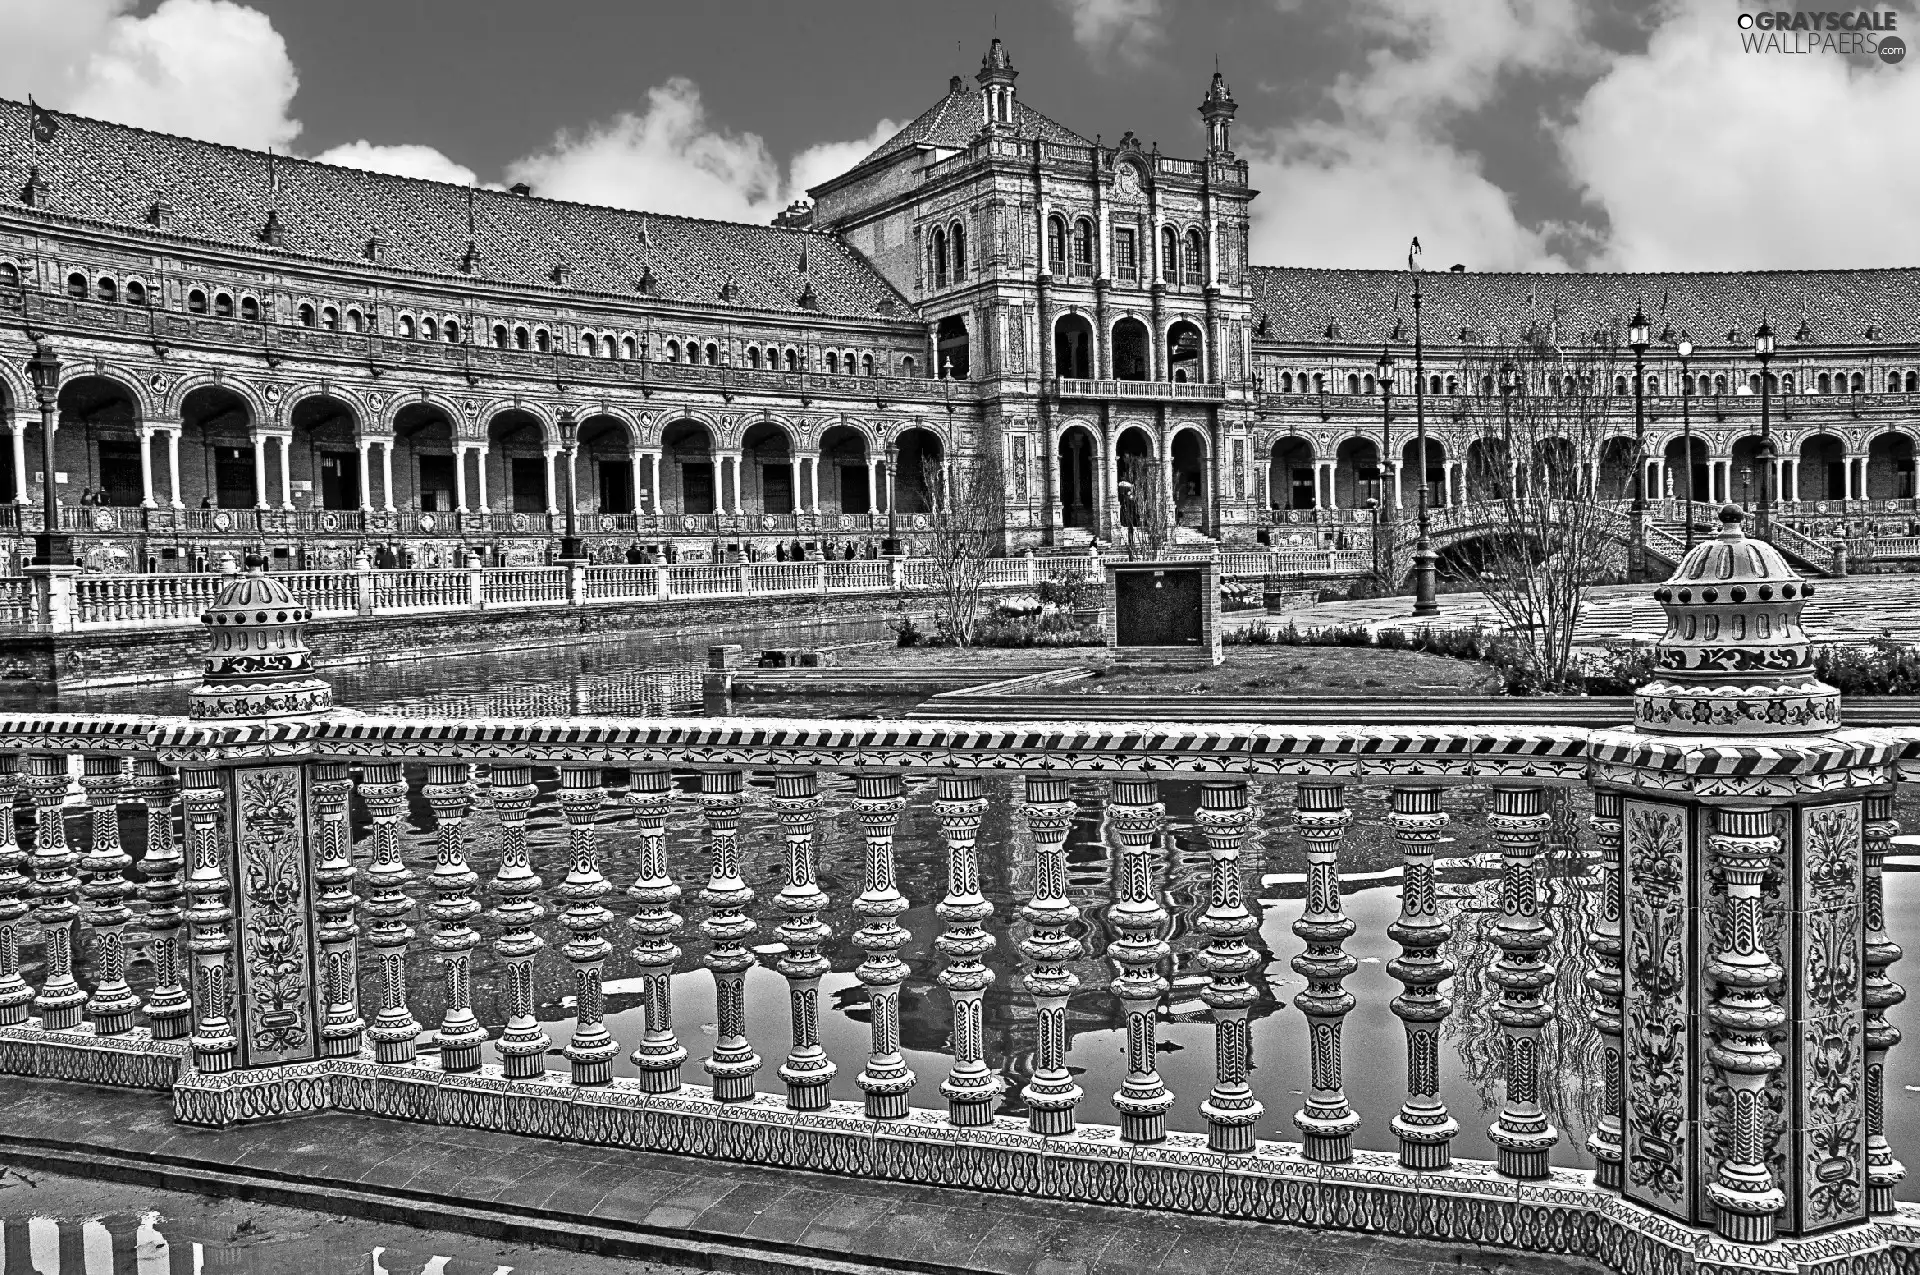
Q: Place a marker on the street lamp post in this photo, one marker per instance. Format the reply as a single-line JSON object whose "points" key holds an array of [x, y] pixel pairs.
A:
{"points": [[1763, 351], [1125, 488], [52, 547], [1373, 507], [1388, 465], [1637, 547], [1423, 555], [1685, 349], [570, 548], [1509, 382]]}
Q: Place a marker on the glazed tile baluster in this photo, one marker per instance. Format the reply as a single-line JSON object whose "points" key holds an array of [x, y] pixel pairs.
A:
{"points": [[522, 1046], [1744, 1014], [1424, 1127], [887, 1079], [1139, 952], [971, 1088], [169, 1008], [341, 1026], [1326, 1122], [660, 1052], [449, 791], [105, 891], [1051, 1095], [1522, 1135], [808, 1071], [592, 1049], [15, 994], [383, 785], [1880, 994], [54, 887], [203, 799], [732, 1063], [1606, 981], [1230, 1109]]}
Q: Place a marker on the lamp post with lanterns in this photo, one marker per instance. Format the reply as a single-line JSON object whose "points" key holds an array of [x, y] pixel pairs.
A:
{"points": [[1637, 547], [570, 548], [1685, 350], [1384, 366], [1763, 351], [52, 547], [1509, 382], [1423, 555]]}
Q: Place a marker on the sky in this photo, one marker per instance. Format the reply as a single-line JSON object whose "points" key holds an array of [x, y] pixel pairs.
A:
{"points": [[1506, 134]]}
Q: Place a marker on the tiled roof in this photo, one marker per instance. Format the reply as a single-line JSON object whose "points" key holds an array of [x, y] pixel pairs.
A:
{"points": [[956, 119], [114, 173], [1831, 307]]}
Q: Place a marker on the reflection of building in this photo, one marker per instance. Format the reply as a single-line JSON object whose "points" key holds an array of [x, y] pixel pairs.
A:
{"points": [[259, 350]]}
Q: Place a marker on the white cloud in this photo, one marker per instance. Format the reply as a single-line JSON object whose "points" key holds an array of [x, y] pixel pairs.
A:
{"points": [[1128, 29], [402, 161], [671, 158], [1705, 156]]}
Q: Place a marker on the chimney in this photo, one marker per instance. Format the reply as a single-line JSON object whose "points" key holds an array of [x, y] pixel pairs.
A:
{"points": [[521, 189], [34, 193], [161, 213], [377, 247]]}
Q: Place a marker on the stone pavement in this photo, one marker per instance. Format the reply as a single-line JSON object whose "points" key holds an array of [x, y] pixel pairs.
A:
{"points": [[1850, 609], [671, 1210]]}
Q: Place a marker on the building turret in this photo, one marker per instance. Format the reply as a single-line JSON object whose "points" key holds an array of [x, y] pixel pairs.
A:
{"points": [[996, 78], [1217, 109]]}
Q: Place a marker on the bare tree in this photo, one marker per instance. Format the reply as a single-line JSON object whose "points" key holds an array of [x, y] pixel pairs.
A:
{"points": [[969, 506], [1551, 463], [1146, 505]]}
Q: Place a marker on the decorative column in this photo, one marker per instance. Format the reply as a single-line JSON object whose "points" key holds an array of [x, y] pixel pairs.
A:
{"points": [[1522, 1135], [887, 1079], [480, 454], [15, 994], [1744, 1015], [592, 1048], [386, 473], [1606, 983], [216, 1043], [655, 924], [1879, 995], [286, 471], [732, 1063], [460, 477], [1231, 1110], [146, 466], [807, 1071], [1424, 1127], [449, 791], [105, 889], [259, 470], [383, 785], [366, 476], [1052, 1094], [1139, 951], [653, 492], [553, 501], [17, 435], [971, 1087], [523, 1044], [1326, 1122], [173, 468], [341, 1026], [54, 889]]}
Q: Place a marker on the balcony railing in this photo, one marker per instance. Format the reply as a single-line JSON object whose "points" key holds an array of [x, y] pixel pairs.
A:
{"points": [[107, 520], [1071, 387]]}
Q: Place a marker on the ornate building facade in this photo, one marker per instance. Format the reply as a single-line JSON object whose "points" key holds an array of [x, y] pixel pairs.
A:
{"points": [[272, 355]]}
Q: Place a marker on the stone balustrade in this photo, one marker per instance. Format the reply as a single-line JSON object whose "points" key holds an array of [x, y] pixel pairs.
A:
{"points": [[1738, 978]]}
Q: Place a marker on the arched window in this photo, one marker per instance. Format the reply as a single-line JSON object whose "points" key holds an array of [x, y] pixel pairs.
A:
{"points": [[77, 286], [906, 366], [1913, 382], [1169, 254], [1753, 382], [793, 360], [1720, 383], [196, 302], [589, 345], [1893, 382], [1786, 383], [626, 347], [452, 332], [713, 355], [1619, 385], [1826, 383], [520, 338], [430, 329], [1453, 387], [847, 363], [9, 275], [136, 291], [1773, 383], [1083, 247], [1190, 268], [1653, 385], [1319, 382], [107, 290], [959, 241], [1433, 386], [499, 336], [1286, 382], [1372, 386], [939, 258], [1353, 382], [833, 362], [866, 365], [1859, 383], [223, 305], [330, 319], [1056, 245], [541, 341], [406, 325], [356, 322], [1486, 387], [753, 356], [306, 315], [673, 351], [1686, 384], [249, 309]]}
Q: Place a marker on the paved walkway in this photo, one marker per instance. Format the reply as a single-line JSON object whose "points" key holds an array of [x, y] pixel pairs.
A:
{"points": [[1852, 609], [669, 1210]]}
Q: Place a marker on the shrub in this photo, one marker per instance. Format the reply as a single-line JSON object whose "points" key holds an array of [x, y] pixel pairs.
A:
{"points": [[907, 633]]}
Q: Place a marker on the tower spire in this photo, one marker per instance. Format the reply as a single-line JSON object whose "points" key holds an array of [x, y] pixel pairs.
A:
{"points": [[996, 76], [1217, 109]]}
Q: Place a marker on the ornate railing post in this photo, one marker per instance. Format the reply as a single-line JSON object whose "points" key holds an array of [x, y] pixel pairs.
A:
{"points": [[887, 1079], [807, 1071], [169, 1008], [15, 994], [216, 1040], [1326, 1122], [449, 791], [54, 886], [1424, 1127], [1879, 994], [341, 1026], [659, 1053], [1605, 982], [592, 1047], [1052, 1093], [1138, 952], [1522, 1135], [383, 785], [1231, 1110], [971, 1087], [515, 887], [732, 1063], [105, 889]]}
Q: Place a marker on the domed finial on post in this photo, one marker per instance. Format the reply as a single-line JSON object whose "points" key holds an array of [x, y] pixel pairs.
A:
{"points": [[257, 664], [1734, 659]]}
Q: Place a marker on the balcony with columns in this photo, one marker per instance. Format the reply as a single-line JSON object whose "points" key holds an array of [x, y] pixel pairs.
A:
{"points": [[346, 912]]}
